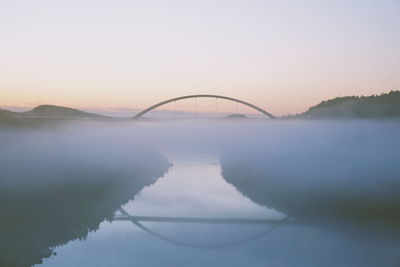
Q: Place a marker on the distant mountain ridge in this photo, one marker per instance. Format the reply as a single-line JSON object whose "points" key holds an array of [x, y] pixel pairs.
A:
{"points": [[6, 113], [376, 106], [44, 115], [51, 111]]}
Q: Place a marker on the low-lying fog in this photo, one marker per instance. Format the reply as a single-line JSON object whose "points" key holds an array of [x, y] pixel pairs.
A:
{"points": [[338, 182]]}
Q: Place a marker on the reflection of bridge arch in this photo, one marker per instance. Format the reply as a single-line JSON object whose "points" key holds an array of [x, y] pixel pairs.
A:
{"points": [[274, 224], [140, 114]]}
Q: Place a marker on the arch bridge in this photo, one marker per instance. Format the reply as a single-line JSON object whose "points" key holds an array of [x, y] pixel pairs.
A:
{"points": [[266, 113]]}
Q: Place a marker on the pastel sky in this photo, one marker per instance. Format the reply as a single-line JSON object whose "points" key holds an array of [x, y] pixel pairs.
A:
{"points": [[281, 55]]}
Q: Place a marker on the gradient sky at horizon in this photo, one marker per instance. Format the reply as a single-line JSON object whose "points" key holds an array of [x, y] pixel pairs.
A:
{"points": [[283, 56]]}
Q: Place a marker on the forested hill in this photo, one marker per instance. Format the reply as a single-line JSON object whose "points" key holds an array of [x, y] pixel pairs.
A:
{"points": [[43, 115], [375, 106], [6, 113], [52, 111]]}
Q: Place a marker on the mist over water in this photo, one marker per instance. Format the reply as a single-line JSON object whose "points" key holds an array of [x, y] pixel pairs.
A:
{"points": [[335, 182]]}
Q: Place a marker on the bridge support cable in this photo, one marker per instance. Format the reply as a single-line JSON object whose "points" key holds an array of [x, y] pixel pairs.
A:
{"points": [[176, 113], [195, 106], [216, 106]]}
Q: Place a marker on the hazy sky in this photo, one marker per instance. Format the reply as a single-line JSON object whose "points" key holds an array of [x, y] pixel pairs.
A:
{"points": [[281, 55]]}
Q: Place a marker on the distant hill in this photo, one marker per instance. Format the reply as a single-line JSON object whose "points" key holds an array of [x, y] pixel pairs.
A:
{"points": [[7, 114], [375, 106], [236, 116], [13, 119], [41, 116], [51, 111]]}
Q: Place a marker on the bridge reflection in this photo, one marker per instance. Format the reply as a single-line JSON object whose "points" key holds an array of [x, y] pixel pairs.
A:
{"points": [[136, 220], [200, 220]]}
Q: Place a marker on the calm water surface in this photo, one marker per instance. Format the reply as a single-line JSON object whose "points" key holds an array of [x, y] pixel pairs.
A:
{"points": [[202, 194], [194, 188]]}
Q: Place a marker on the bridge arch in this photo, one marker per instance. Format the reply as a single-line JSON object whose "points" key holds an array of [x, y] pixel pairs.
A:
{"points": [[266, 113]]}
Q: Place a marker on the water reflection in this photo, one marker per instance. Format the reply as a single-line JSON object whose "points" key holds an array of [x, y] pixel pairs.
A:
{"points": [[202, 195], [51, 196], [351, 188], [337, 185], [136, 220], [120, 243], [191, 177]]}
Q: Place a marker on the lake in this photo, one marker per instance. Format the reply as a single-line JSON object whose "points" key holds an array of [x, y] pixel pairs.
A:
{"points": [[202, 194]]}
